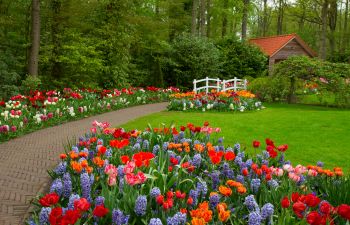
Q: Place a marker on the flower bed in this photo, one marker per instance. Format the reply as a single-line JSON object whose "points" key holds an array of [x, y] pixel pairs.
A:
{"points": [[187, 176], [22, 114], [217, 101]]}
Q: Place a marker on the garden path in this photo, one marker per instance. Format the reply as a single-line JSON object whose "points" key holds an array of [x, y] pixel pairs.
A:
{"points": [[24, 161]]}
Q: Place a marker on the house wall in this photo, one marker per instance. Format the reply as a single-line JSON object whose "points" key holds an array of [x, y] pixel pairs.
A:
{"points": [[292, 48]]}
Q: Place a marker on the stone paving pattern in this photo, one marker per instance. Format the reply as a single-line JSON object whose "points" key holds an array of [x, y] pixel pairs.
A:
{"points": [[24, 161]]}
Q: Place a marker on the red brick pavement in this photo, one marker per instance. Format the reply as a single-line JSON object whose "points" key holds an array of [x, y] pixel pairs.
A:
{"points": [[24, 161]]}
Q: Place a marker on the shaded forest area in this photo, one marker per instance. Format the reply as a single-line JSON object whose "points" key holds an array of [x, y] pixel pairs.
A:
{"points": [[113, 43]]}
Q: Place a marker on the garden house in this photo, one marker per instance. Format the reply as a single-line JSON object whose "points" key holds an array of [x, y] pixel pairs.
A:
{"points": [[279, 48]]}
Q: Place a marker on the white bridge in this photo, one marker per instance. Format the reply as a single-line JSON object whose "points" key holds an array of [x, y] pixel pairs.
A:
{"points": [[220, 85]]}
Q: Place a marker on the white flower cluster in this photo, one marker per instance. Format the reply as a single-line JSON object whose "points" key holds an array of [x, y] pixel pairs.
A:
{"points": [[5, 114], [13, 104]]}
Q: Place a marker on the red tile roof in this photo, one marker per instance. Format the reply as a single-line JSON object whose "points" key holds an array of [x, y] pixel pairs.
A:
{"points": [[271, 45]]}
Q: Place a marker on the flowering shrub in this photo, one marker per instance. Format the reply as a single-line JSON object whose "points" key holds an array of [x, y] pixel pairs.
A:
{"points": [[219, 101], [187, 176], [22, 114]]}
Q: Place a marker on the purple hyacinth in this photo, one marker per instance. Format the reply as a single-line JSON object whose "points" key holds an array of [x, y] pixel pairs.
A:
{"points": [[61, 168], [194, 195], [267, 211], [44, 215], [75, 149], [266, 154], [57, 186], [108, 153], [121, 171], [202, 188], [155, 221], [214, 200], [265, 162], [250, 203], [197, 159], [136, 147], [155, 192], [302, 180], [118, 217], [272, 183], [249, 162], [215, 177], [67, 185], [92, 179], [254, 185], [141, 205], [31, 222], [99, 200], [155, 149], [121, 184], [145, 145], [238, 160], [220, 140], [254, 218], [181, 135], [178, 219], [72, 199], [240, 179], [237, 147], [320, 164], [165, 146], [85, 186]]}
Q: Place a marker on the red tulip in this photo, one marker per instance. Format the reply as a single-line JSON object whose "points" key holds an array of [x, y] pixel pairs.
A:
{"points": [[82, 204], [100, 211], [49, 199], [256, 144], [344, 211], [285, 203]]}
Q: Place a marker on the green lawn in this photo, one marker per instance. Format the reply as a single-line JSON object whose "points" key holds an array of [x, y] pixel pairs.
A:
{"points": [[313, 133]]}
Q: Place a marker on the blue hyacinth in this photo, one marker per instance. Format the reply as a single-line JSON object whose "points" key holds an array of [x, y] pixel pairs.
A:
{"points": [[202, 188], [71, 201], [250, 203], [254, 218], [155, 192], [178, 219], [155, 221], [145, 144], [118, 217], [214, 200], [136, 147], [57, 186], [85, 186], [215, 176], [255, 184], [155, 149], [272, 183], [67, 185], [61, 168], [197, 159], [99, 200], [194, 195], [240, 179], [44, 215], [267, 211], [141, 205]]}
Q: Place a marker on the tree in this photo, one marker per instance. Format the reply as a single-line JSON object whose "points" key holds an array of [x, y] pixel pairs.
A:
{"points": [[194, 17], [323, 50], [35, 39], [245, 19]]}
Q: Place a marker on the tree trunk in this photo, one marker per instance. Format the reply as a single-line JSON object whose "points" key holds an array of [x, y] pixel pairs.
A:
{"points": [[194, 17], [224, 19], [345, 41], [264, 25], [56, 71], [202, 17], [208, 17], [280, 17], [332, 24], [323, 43], [245, 19], [35, 38]]}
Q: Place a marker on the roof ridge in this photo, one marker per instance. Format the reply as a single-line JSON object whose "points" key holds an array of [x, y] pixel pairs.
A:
{"points": [[282, 35]]}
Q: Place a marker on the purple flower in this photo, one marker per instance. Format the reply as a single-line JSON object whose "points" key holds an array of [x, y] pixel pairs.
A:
{"points": [[155, 221], [215, 177], [272, 183], [266, 155], [155, 192], [194, 195], [254, 218], [250, 203], [67, 185], [214, 200], [85, 186], [240, 179], [238, 160], [145, 144], [141, 205], [220, 141], [61, 168], [57, 186], [267, 211], [237, 147], [202, 188], [165, 146], [254, 185], [118, 217], [178, 219], [320, 164], [72, 199], [121, 184], [108, 153], [155, 149], [249, 162], [99, 200], [44, 215], [136, 147], [121, 171]]}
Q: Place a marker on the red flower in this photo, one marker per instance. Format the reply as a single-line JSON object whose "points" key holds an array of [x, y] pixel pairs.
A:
{"points": [[282, 148], [285, 203], [256, 144], [229, 156], [344, 211], [170, 194], [299, 208], [215, 157], [101, 150], [245, 172], [55, 216], [272, 153], [325, 207], [174, 161], [119, 144], [71, 217], [100, 211], [314, 218], [206, 123], [180, 195], [311, 200], [182, 128], [160, 199], [49, 199], [269, 142], [124, 159], [63, 156], [82, 204], [295, 196], [190, 201], [142, 158]]}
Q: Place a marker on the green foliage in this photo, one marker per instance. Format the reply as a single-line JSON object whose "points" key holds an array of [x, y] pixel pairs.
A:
{"points": [[192, 58], [30, 83], [269, 89], [241, 59]]}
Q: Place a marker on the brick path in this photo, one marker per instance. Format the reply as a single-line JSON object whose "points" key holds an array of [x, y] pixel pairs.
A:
{"points": [[24, 161]]}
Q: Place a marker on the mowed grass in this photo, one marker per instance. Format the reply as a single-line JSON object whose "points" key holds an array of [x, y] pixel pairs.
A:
{"points": [[313, 133]]}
